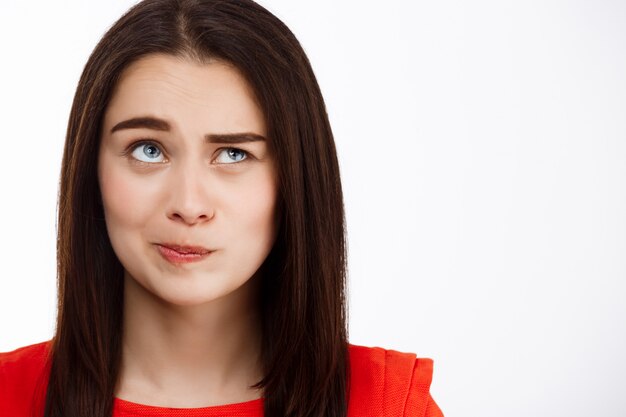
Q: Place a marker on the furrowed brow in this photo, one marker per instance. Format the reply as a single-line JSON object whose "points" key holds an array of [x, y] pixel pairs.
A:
{"points": [[142, 123], [232, 138], [162, 125]]}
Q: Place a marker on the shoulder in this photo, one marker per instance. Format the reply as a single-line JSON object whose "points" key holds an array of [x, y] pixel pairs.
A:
{"points": [[390, 383], [22, 374]]}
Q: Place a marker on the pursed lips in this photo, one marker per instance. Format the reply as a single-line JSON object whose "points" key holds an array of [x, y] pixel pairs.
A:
{"points": [[186, 249]]}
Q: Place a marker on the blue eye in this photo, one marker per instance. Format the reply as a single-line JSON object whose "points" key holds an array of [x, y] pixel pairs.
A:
{"points": [[231, 155], [149, 151]]}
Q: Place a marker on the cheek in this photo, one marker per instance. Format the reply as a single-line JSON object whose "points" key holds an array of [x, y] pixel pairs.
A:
{"points": [[260, 203], [254, 207], [126, 200]]}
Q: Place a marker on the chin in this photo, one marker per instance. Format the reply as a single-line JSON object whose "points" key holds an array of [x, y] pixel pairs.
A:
{"points": [[190, 296], [201, 292]]}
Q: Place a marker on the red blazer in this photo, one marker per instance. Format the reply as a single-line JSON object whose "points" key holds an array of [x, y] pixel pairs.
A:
{"points": [[385, 383]]}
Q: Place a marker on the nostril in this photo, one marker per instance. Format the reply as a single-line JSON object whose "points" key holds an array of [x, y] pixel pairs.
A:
{"points": [[190, 218]]}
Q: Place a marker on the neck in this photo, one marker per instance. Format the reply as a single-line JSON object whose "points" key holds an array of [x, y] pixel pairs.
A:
{"points": [[190, 356]]}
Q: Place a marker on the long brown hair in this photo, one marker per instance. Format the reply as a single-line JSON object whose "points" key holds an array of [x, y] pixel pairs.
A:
{"points": [[305, 346]]}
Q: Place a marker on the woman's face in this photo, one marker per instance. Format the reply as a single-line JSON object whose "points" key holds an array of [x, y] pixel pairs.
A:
{"points": [[183, 161]]}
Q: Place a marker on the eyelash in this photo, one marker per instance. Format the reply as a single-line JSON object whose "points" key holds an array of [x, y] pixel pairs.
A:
{"points": [[135, 145]]}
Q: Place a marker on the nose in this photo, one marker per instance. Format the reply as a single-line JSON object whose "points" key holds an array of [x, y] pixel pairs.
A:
{"points": [[189, 199]]}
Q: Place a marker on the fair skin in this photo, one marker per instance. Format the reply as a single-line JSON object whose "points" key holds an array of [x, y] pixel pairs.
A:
{"points": [[207, 178]]}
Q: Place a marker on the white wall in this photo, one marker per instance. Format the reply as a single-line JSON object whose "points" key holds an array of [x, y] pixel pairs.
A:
{"points": [[483, 153]]}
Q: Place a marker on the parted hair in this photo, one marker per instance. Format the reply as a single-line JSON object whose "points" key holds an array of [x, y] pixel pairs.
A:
{"points": [[303, 280]]}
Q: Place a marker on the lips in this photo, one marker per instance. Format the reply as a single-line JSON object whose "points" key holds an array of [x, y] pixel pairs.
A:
{"points": [[182, 254], [186, 250]]}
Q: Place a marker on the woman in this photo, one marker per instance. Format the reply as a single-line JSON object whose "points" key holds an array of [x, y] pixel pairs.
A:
{"points": [[201, 246]]}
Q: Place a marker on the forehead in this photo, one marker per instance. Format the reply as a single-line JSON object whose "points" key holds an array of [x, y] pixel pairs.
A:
{"points": [[213, 95]]}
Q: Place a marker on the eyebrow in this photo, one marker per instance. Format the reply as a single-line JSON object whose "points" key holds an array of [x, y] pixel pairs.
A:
{"points": [[162, 125]]}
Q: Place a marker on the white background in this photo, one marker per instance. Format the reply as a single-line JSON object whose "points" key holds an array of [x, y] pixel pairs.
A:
{"points": [[483, 154]]}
